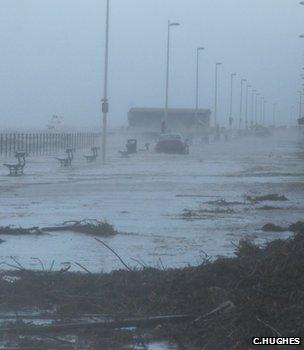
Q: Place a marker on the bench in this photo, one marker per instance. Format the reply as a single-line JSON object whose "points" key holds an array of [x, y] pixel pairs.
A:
{"points": [[17, 169], [66, 162], [92, 157], [131, 148]]}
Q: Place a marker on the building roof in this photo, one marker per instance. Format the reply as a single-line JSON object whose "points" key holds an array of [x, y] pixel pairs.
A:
{"points": [[170, 110]]}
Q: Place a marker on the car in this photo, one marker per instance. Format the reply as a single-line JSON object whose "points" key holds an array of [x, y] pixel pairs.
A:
{"points": [[172, 144]]}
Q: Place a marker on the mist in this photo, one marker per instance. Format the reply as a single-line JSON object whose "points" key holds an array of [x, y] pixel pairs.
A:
{"points": [[52, 56]]}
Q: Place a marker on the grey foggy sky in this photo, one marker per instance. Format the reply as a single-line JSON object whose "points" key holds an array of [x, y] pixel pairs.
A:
{"points": [[52, 56]]}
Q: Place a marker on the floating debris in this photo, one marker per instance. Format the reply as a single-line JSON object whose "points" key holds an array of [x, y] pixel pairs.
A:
{"points": [[268, 207], [19, 231], [268, 197], [223, 202], [88, 226], [196, 214], [274, 228]]}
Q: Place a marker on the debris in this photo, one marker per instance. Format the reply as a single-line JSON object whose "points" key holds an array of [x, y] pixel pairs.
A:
{"points": [[98, 325], [92, 227], [268, 197], [10, 279], [223, 202], [11, 230], [298, 227], [268, 207], [191, 214], [260, 291], [273, 228]]}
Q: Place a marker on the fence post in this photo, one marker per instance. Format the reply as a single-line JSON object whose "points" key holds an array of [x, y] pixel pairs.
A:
{"points": [[37, 144], [22, 142], [10, 144], [26, 143]]}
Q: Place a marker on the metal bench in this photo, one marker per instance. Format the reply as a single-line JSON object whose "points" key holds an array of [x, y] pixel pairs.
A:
{"points": [[92, 157], [66, 162], [131, 148], [17, 169]]}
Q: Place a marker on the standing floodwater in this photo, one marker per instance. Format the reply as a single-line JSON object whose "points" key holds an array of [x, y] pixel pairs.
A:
{"points": [[170, 210]]}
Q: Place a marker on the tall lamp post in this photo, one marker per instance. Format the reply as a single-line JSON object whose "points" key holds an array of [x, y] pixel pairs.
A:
{"points": [[216, 93], [274, 112], [198, 50], [231, 99], [261, 110], [252, 107], [246, 106], [165, 121], [300, 104], [264, 111], [256, 109], [105, 103], [241, 102]]}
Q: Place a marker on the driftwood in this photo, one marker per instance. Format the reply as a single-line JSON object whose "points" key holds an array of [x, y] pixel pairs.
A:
{"points": [[100, 325]]}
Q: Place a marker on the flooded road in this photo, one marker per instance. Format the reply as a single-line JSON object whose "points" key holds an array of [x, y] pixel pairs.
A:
{"points": [[145, 197]]}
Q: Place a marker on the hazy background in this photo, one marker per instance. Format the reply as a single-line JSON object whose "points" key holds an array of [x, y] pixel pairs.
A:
{"points": [[52, 56]]}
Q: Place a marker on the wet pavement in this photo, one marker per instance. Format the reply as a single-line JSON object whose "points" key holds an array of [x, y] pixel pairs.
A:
{"points": [[144, 197]]}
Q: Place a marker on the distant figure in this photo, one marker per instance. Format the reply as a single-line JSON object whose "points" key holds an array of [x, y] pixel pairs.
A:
{"points": [[147, 146]]}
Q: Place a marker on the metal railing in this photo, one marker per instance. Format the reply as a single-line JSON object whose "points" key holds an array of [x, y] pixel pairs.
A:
{"points": [[39, 144]]}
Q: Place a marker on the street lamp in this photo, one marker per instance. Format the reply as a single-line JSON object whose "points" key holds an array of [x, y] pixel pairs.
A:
{"points": [[105, 104], [216, 94], [198, 50], [261, 109], [256, 109], [165, 121], [300, 105], [252, 106], [264, 111], [241, 102], [246, 106], [274, 114], [231, 99]]}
